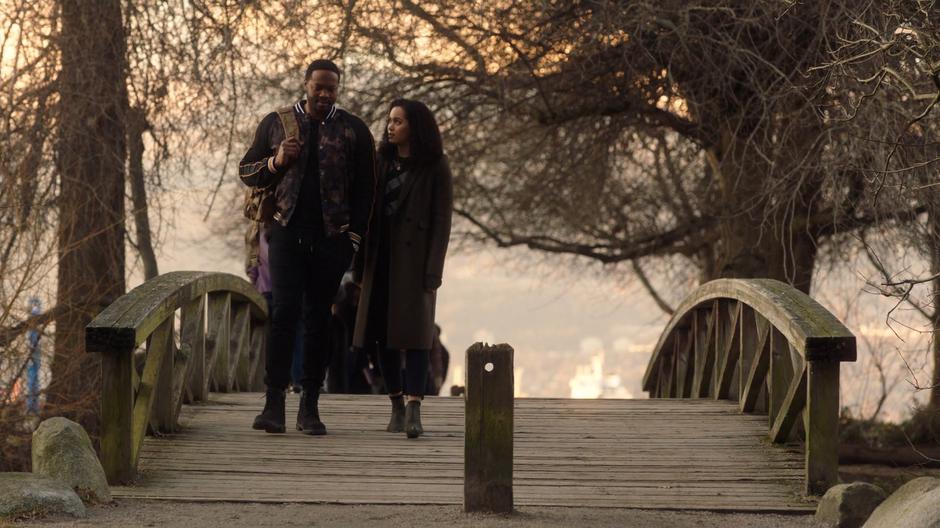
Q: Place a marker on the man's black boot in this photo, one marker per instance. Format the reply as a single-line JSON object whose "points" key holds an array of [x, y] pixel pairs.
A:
{"points": [[271, 419], [308, 415], [397, 423], [413, 427]]}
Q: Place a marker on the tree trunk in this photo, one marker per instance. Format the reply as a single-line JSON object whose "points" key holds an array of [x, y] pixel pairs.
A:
{"points": [[90, 163], [753, 245], [934, 401], [137, 126], [933, 245]]}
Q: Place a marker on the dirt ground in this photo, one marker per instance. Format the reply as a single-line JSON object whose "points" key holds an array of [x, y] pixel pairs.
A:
{"points": [[887, 477], [132, 513]]}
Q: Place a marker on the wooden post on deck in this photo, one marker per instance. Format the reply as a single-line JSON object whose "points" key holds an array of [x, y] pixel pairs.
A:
{"points": [[117, 409], [822, 430], [489, 426]]}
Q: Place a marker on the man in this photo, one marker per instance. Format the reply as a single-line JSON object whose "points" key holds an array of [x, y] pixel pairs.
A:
{"points": [[325, 182]]}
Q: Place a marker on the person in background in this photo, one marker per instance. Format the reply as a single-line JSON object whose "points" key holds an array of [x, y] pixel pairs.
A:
{"points": [[439, 362], [341, 374], [259, 273]]}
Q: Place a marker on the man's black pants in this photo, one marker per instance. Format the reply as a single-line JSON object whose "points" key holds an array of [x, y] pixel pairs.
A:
{"points": [[306, 270]]}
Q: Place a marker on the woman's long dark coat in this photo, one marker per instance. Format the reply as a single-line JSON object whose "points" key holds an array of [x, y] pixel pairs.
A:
{"points": [[419, 233]]}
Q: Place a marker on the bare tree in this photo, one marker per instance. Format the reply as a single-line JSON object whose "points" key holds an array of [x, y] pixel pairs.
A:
{"points": [[621, 131], [90, 161], [91, 92], [886, 65]]}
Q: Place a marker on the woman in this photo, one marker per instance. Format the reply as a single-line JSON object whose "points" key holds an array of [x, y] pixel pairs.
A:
{"points": [[404, 257]]}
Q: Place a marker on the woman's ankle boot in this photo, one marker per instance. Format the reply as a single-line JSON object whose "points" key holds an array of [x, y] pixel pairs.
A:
{"points": [[397, 422], [413, 419]]}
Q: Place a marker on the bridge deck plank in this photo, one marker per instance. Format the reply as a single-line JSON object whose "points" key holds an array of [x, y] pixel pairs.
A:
{"points": [[668, 454]]}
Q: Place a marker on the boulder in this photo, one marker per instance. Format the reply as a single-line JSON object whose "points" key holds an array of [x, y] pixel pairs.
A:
{"points": [[914, 505], [63, 451], [27, 495], [849, 505]]}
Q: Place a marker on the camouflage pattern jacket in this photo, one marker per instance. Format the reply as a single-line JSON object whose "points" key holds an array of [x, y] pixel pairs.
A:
{"points": [[346, 158]]}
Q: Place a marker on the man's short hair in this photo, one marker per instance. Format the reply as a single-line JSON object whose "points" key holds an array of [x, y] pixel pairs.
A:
{"points": [[322, 64]]}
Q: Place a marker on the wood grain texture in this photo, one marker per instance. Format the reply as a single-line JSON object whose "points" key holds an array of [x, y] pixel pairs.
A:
{"points": [[791, 409], [163, 412], [131, 319], [754, 382], [812, 330], [142, 392], [778, 376], [193, 336], [259, 334], [239, 346], [218, 341], [663, 453], [729, 345], [822, 435], [703, 332], [117, 408], [157, 351], [488, 442]]}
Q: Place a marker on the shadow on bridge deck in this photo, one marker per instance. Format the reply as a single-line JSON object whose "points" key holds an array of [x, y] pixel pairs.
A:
{"points": [[656, 454]]}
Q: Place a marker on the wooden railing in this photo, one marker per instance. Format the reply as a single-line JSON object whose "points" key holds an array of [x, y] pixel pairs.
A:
{"points": [[220, 338], [771, 348]]}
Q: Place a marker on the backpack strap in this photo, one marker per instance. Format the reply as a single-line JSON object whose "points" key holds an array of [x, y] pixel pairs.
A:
{"points": [[289, 122]]}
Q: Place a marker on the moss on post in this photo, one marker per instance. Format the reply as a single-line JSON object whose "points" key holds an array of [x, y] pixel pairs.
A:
{"points": [[117, 407], [822, 434], [489, 429]]}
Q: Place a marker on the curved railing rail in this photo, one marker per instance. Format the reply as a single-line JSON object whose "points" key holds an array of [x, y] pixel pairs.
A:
{"points": [[221, 347], [771, 348]]}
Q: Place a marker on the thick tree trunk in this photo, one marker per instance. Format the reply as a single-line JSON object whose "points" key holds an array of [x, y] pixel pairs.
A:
{"points": [[777, 252], [137, 126], [91, 157], [753, 244]]}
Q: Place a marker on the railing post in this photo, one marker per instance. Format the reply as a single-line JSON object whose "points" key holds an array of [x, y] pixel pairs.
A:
{"points": [[239, 346], [489, 427], [148, 392], [822, 431], [685, 363], [130, 401], [779, 373], [217, 340], [117, 410], [163, 413], [259, 334], [193, 333]]}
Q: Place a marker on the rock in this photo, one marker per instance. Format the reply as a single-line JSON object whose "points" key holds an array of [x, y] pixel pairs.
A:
{"points": [[28, 495], [849, 505], [914, 505], [63, 451]]}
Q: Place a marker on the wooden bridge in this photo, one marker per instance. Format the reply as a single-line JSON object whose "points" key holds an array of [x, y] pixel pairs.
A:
{"points": [[743, 414]]}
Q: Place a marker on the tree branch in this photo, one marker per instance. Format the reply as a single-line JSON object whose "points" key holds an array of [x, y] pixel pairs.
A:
{"points": [[34, 322], [644, 280]]}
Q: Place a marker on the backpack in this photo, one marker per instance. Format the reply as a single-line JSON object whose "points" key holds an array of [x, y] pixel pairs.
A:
{"points": [[260, 203]]}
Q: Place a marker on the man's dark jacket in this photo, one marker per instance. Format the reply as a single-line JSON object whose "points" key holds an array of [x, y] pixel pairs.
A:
{"points": [[346, 162]]}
